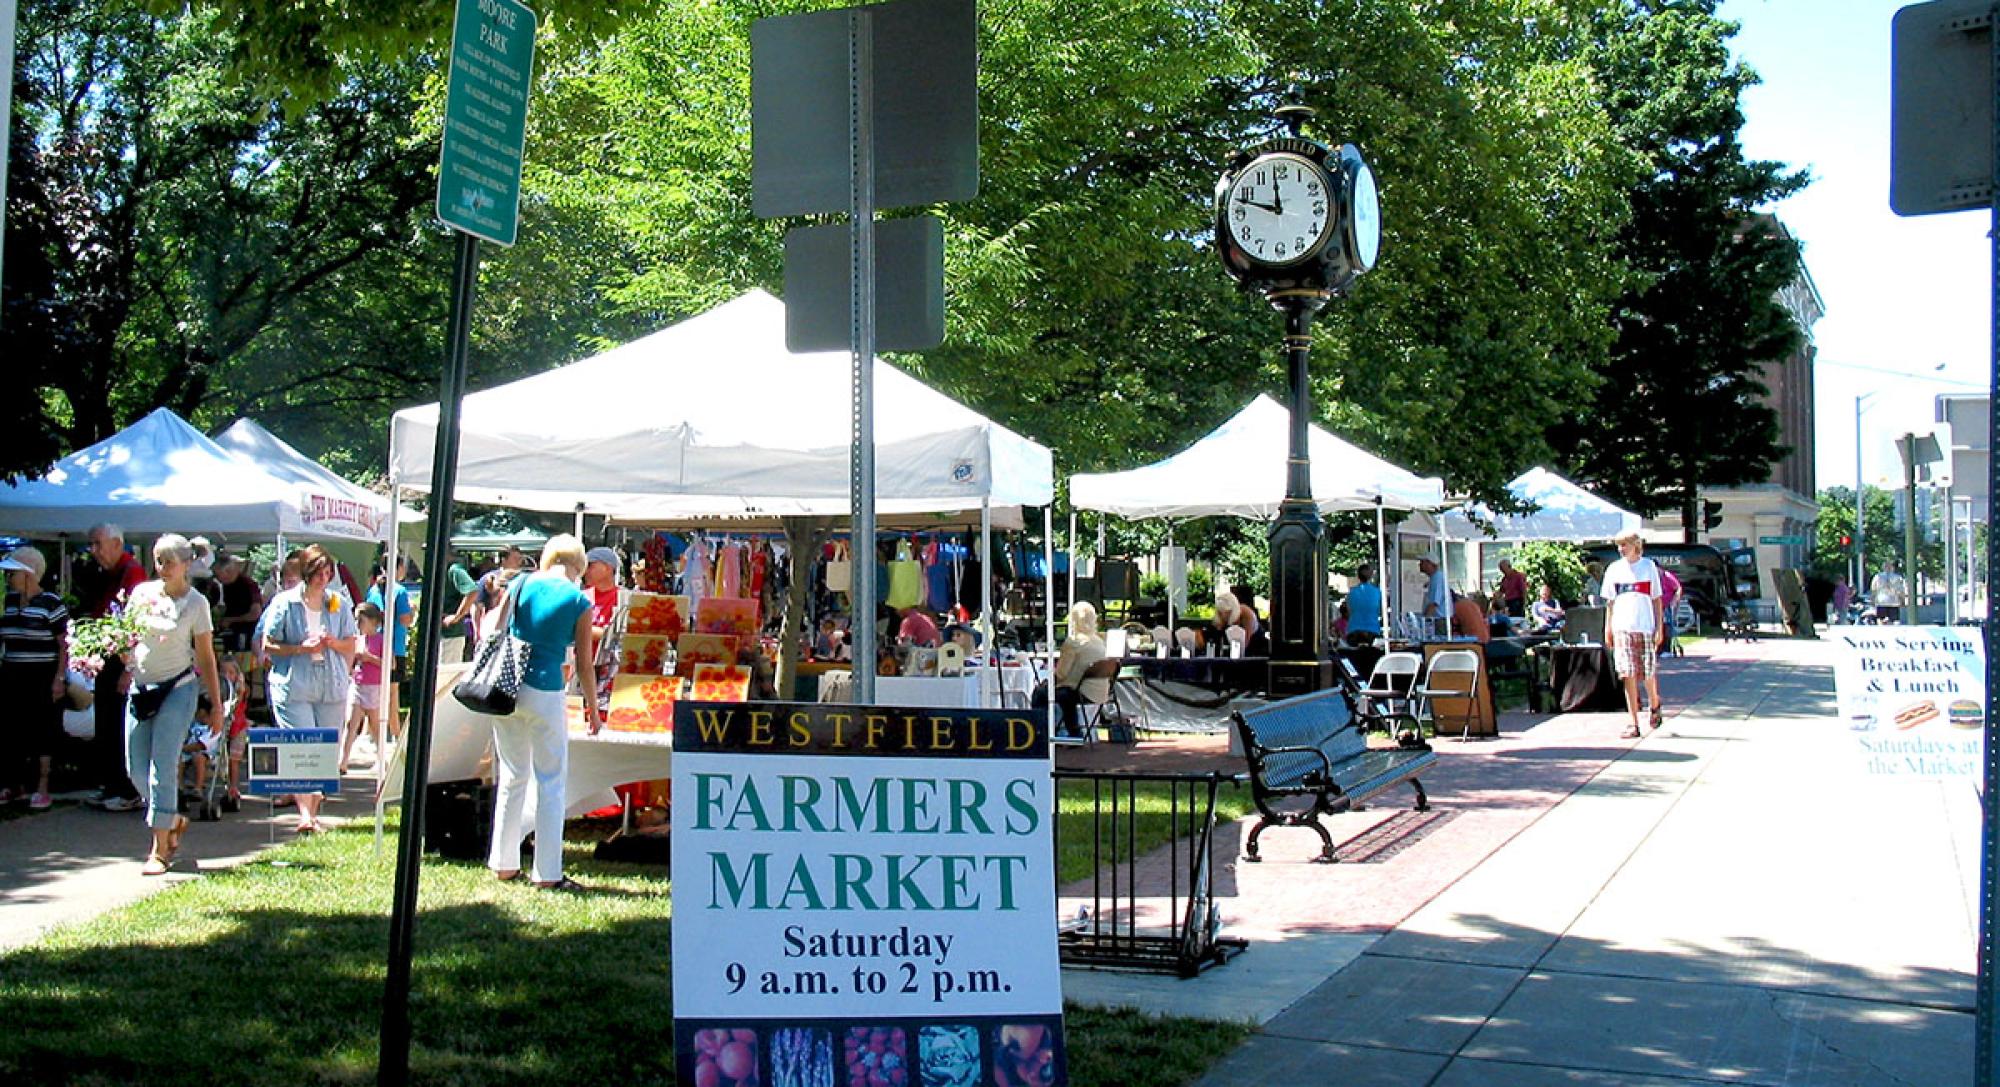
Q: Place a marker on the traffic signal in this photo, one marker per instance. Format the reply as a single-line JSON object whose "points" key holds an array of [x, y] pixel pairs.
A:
{"points": [[1711, 514], [1846, 540]]}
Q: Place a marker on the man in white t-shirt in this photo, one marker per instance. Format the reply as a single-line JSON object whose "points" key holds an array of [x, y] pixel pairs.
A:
{"points": [[1632, 626], [1889, 592]]}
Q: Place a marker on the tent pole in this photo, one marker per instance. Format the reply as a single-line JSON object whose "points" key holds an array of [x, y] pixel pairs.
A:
{"points": [[1072, 557], [1170, 586], [1049, 600], [1382, 566], [986, 580], [579, 520]]}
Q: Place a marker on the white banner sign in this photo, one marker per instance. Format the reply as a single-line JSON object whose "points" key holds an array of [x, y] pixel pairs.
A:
{"points": [[1913, 698], [863, 888]]}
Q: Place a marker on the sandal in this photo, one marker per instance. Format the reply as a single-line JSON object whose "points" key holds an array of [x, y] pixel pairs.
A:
{"points": [[156, 865], [1631, 733], [565, 884], [508, 876], [1656, 717]]}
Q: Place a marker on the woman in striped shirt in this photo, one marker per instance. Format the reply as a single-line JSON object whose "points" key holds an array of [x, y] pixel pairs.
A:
{"points": [[34, 631]]}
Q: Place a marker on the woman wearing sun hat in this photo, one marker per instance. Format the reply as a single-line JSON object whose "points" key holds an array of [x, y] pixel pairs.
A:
{"points": [[34, 633]]}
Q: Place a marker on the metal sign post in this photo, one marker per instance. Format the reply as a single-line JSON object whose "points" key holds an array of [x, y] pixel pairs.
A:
{"points": [[479, 185], [861, 318]]}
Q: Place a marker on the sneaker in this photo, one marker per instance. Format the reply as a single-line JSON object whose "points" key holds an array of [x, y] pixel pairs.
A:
{"points": [[123, 803], [6, 796], [40, 802]]}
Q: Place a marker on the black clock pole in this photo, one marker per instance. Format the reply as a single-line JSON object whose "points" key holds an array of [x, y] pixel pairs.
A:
{"points": [[1299, 660]]}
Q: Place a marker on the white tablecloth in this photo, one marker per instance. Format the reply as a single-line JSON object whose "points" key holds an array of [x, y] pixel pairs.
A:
{"points": [[943, 692], [461, 741]]}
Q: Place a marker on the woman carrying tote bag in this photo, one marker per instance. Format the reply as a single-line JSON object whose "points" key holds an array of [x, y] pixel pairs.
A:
{"points": [[552, 616]]}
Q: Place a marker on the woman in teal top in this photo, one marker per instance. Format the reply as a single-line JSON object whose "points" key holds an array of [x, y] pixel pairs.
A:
{"points": [[553, 616]]}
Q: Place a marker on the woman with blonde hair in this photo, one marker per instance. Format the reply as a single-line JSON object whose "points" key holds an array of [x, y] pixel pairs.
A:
{"points": [[179, 643], [1080, 650], [548, 611], [309, 636]]}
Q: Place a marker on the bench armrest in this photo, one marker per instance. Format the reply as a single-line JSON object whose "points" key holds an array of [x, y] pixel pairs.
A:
{"points": [[1325, 763]]}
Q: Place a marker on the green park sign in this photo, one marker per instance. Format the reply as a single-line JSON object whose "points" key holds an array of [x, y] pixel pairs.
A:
{"points": [[1782, 541], [486, 118]]}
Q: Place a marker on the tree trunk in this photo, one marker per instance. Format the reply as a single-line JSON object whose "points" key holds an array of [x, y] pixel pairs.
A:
{"points": [[804, 536], [1691, 516]]}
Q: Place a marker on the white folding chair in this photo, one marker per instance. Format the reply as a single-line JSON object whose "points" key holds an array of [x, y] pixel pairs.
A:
{"points": [[1393, 681], [1441, 682]]}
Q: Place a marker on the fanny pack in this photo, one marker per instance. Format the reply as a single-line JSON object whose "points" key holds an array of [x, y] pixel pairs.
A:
{"points": [[147, 698]]}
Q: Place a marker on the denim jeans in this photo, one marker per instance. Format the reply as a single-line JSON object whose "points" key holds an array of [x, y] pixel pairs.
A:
{"points": [[153, 752]]}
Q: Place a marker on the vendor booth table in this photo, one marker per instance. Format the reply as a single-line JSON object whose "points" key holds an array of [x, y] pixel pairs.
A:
{"points": [[1584, 678], [1016, 685], [462, 742], [1192, 694]]}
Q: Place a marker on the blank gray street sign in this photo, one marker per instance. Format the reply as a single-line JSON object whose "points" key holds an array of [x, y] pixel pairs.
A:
{"points": [[1941, 108], [926, 108], [909, 286]]}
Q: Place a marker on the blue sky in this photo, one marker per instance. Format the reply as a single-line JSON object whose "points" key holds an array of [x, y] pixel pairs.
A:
{"points": [[1902, 295]]}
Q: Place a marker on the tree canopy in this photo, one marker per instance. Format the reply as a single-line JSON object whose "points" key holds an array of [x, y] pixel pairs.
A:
{"points": [[225, 208]]}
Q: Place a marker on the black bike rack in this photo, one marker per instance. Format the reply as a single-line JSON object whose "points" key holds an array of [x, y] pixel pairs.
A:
{"points": [[1107, 932]]}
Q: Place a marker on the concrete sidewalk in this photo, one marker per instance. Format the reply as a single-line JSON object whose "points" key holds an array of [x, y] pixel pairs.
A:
{"points": [[1728, 902], [72, 863]]}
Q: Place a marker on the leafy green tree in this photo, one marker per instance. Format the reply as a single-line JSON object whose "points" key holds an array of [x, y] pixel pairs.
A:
{"points": [[1551, 562], [1680, 405]]}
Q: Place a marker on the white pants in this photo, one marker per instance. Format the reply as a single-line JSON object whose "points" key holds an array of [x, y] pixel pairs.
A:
{"points": [[534, 739]]}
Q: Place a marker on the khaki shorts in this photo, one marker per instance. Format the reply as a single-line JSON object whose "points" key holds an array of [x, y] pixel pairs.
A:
{"points": [[1636, 653]]}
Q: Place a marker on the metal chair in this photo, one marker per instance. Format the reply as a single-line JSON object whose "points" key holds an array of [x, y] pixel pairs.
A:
{"points": [[1393, 681], [1090, 715], [1447, 664]]}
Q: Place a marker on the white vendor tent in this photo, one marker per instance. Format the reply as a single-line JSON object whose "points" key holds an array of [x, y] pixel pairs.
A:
{"points": [[1239, 470], [1559, 510], [160, 475], [328, 502], [714, 417]]}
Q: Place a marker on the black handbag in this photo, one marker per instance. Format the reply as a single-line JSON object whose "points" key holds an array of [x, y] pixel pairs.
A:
{"points": [[493, 687]]}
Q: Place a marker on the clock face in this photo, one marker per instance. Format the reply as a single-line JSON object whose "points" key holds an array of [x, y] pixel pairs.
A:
{"points": [[1367, 215], [1277, 209]]}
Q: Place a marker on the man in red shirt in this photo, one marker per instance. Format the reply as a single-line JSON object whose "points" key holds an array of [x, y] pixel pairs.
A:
{"points": [[100, 584], [1514, 589]]}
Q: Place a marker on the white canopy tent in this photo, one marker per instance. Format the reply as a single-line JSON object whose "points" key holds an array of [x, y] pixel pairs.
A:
{"points": [[713, 417], [328, 500], [162, 475], [1559, 510], [1238, 470]]}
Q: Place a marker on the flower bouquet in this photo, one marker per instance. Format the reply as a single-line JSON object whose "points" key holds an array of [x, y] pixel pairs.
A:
{"points": [[94, 641]]}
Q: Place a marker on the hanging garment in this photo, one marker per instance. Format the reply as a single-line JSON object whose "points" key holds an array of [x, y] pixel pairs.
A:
{"points": [[695, 584], [941, 575], [760, 567], [729, 571]]}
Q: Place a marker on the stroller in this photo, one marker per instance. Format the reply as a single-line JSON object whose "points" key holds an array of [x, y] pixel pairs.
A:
{"points": [[209, 760]]}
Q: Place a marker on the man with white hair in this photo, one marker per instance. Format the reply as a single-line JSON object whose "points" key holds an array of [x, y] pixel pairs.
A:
{"points": [[102, 584]]}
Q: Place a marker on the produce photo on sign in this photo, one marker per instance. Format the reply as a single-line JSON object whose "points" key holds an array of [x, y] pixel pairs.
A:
{"points": [[831, 858]]}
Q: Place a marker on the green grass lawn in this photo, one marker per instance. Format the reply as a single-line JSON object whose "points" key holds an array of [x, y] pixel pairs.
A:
{"points": [[1081, 848], [272, 973]]}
